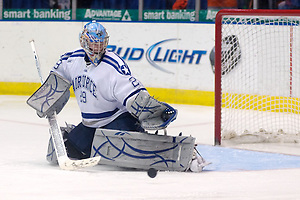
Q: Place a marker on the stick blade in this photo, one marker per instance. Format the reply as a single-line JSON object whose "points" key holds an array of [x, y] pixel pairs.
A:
{"points": [[68, 164]]}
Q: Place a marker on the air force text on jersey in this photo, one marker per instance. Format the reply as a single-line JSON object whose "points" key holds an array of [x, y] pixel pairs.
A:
{"points": [[83, 81]]}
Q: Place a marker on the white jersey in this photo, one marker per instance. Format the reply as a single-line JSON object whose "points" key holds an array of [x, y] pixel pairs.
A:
{"points": [[101, 91]]}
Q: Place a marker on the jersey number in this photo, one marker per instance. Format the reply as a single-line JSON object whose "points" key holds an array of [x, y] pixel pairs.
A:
{"points": [[83, 97], [134, 82]]}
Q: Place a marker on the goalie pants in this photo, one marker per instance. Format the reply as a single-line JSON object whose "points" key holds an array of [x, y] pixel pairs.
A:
{"points": [[79, 140]]}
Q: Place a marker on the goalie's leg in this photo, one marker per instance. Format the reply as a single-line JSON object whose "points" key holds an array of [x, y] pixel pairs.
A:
{"points": [[76, 148], [78, 140], [125, 122]]}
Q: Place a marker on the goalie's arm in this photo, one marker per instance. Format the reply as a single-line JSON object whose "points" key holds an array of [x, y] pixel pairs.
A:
{"points": [[152, 113]]}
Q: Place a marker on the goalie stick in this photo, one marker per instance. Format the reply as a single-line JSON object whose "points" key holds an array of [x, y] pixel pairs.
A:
{"points": [[63, 160]]}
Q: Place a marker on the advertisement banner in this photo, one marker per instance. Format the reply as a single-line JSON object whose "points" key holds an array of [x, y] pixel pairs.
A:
{"points": [[169, 15], [37, 14], [107, 14], [166, 54], [207, 15]]}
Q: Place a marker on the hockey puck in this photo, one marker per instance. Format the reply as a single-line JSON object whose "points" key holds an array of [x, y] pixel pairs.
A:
{"points": [[152, 172]]}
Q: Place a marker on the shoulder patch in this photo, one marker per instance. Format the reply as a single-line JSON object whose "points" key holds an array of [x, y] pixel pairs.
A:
{"points": [[116, 62]]}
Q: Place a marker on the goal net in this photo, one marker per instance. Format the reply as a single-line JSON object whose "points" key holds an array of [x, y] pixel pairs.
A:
{"points": [[257, 76]]}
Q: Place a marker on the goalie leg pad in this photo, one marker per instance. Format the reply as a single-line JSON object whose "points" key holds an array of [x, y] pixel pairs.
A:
{"points": [[51, 155], [51, 96], [143, 150]]}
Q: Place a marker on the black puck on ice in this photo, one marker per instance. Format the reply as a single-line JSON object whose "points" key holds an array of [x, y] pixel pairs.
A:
{"points": [[152, 172]]}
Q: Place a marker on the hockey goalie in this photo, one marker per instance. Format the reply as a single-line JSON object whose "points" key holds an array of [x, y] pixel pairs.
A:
{"points": [[117, 111]]}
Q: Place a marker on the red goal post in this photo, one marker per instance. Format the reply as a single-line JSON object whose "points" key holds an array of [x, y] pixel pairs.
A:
{"points": [[257, 73]]}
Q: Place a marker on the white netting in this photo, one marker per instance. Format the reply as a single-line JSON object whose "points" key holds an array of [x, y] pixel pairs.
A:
{"points": [[260, 78]]}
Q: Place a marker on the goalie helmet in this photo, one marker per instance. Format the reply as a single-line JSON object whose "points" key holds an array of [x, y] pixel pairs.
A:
{"points": [[94, 40]]}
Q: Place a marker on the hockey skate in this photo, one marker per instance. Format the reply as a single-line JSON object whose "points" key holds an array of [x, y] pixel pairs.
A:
{"points": [[197, 163]]}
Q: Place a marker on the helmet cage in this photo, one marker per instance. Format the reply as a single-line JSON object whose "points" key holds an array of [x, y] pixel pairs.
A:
{"points": [[94, 40]]}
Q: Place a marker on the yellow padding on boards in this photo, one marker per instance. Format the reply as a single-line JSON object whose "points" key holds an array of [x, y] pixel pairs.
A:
{"points": [[261, 103], [178, 96], [18, 88]]}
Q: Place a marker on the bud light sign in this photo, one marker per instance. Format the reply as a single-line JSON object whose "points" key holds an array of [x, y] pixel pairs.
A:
{"points": [[160, 53]]}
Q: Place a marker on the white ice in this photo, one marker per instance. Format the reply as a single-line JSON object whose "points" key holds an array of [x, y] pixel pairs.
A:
{"points": [[25, 174]]}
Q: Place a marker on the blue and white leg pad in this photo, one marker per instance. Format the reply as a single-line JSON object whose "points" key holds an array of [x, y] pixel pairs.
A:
{"points": [[143, 150]]}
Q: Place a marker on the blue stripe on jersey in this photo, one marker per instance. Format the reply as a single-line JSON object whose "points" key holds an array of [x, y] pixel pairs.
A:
{"points": [[99, 115], [66, 56], [112, 59], [114, 65], [124, 70], [79, 50], [130, 95], [77, 53]]}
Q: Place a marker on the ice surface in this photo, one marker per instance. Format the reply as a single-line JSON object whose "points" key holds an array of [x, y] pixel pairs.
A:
{"points": [[25, 173]]}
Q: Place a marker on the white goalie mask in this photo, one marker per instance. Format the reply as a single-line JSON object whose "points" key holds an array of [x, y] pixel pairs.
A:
{"points": [[94, 40]]}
